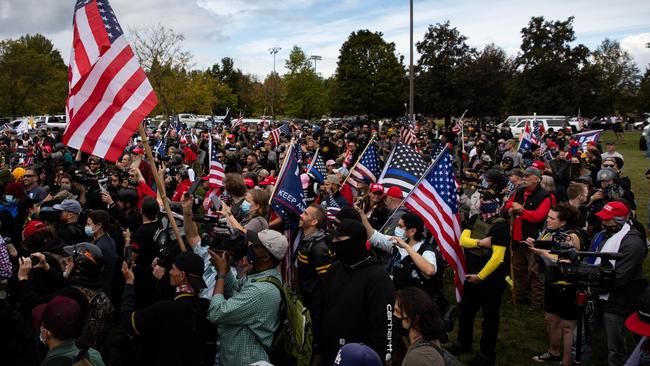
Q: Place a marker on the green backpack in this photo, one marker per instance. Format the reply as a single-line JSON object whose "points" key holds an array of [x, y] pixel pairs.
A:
{"points": [[292, 342]]}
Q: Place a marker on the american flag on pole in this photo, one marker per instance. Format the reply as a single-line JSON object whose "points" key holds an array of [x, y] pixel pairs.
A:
{"points": [[436, 201], [317, 167], [238, 122], [276, 133], [584, 138], [537, 132], [407, 136], [109, 94], [368, 167], [404, 169], [333, 208], [216, 173]]}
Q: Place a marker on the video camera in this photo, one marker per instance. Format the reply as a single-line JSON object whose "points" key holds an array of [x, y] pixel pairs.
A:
{"points": [[575, 271]]}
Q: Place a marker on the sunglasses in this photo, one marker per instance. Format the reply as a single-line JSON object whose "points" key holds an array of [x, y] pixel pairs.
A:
{"points": [[608, 166]]}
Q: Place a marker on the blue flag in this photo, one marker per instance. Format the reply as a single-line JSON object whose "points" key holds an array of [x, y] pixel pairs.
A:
{"points": [[317, 168], [289, 198]]}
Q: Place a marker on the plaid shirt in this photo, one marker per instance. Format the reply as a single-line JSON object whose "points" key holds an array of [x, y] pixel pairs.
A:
{"points": [[247, 319]]}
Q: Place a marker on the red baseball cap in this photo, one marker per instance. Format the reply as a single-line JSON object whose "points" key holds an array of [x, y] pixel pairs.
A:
{"points": [[613, 209], [539, 165], [376, 187], [249, 182], [138, 151], [394, 192], [268, 181], [48, 148], [32, 227]]}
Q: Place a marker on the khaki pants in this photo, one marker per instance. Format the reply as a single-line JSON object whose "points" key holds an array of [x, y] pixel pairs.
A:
{"points": [[528, 283]]}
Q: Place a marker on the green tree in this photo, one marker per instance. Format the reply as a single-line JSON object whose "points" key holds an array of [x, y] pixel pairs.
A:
{"points": [[272, 94], [370, 79], [549, 81], [33, 77], [161, 55], [489, 75], [643, 98], [618, 76], [442, 84], [305, 92]]}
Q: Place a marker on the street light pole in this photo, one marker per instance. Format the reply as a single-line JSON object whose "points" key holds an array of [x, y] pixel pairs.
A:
{"points": [[411, 81], [273, 51], [315, 58]]}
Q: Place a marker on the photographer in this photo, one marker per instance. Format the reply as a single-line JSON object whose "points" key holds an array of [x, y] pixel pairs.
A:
{"points": [[559, 298], [620, 236]]}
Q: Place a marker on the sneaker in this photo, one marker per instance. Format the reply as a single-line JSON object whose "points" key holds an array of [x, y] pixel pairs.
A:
{"points": [[458, 349], [547, 357]]}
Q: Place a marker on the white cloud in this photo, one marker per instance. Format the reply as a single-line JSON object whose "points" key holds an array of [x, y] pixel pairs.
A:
{"points": [[636, 46]]}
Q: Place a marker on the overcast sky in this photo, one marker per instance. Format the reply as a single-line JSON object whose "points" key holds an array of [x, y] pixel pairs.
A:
{"points": [[246, 29]]}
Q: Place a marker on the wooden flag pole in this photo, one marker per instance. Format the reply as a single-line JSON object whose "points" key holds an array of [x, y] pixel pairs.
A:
{"points": [[160, 184], [372, 138]]}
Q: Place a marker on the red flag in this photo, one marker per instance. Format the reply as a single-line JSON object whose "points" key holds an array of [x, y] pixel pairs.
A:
{"points": [[109, 94]]}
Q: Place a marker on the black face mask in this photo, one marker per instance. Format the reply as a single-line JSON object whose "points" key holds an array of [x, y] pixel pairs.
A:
{"points": [[348, 252], [404, 332], [250, 255], [611, 230]]}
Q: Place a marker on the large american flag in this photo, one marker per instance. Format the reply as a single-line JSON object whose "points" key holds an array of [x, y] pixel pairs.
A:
{"points": [[407, 136], [238, 122], [436, 201], [109, 94], [403, 169], [217, 172], [368, 167], [276, 133]]}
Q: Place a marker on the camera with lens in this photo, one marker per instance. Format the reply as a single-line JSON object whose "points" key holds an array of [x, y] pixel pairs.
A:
{"points": [[570, 266]]}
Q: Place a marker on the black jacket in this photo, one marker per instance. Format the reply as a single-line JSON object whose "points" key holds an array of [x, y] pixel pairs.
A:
{"points": [[314, 259], [357, 307], [630, 280], [170, 332], [531, 229]]}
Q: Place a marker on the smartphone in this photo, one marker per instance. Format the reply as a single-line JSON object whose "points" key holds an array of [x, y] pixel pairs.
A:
{"points": [[128, 256], [194, 186], [216, 203]]}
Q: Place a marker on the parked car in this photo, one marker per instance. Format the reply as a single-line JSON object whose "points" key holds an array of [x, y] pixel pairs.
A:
{"points": [[555, 124], [514, 120], [51, 121], [644, 141]]}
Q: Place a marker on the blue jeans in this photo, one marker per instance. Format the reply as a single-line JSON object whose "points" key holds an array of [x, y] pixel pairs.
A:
{"points": [[616, 334]]}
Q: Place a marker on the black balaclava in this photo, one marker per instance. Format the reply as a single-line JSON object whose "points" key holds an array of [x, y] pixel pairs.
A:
{"points": [[352, 250]]}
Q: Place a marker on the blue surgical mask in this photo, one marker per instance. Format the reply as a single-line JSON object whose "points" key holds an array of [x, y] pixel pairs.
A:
{"points": [[245, 207], [485, 183], [89, 230], [9, 198], [400, 233]]}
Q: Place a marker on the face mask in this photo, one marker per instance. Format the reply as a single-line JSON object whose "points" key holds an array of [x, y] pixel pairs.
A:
{"points": [[245, 207], [9, 198], [404, 332], [89, 230], [133, 183], [347, 251], [611, 230], [400, 233], [40, 337], [65, 187], [484, 183], [250, 255]]}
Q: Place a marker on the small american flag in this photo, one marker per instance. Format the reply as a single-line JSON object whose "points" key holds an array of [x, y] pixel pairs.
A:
{"points": [[276, 133], [347, 160], [458, 126], [109, 94], [238, 122], [333, 208], [317, 167], [407, 136], [436, 201], [216, 174], [368, 167], [403, 169], [537, 132]]}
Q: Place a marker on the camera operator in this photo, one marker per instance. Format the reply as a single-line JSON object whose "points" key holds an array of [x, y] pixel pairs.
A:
{"points": [[559, 298], [610, 190], [619, 235]]}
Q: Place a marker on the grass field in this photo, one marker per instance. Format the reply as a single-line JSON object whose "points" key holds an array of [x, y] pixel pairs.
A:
{"points": [[522, 331]]}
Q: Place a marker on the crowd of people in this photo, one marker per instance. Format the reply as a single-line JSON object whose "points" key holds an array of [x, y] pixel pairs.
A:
{"points": [[91, 271]]}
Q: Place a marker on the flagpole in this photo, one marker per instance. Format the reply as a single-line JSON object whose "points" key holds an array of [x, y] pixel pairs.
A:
{"points": [[282, 168], [446, 148], [311, 164], [372, 138], [159, 186]]}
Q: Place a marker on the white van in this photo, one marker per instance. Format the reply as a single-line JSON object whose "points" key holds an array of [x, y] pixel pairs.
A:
{"points": [[555, 124], [514, 120]]}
